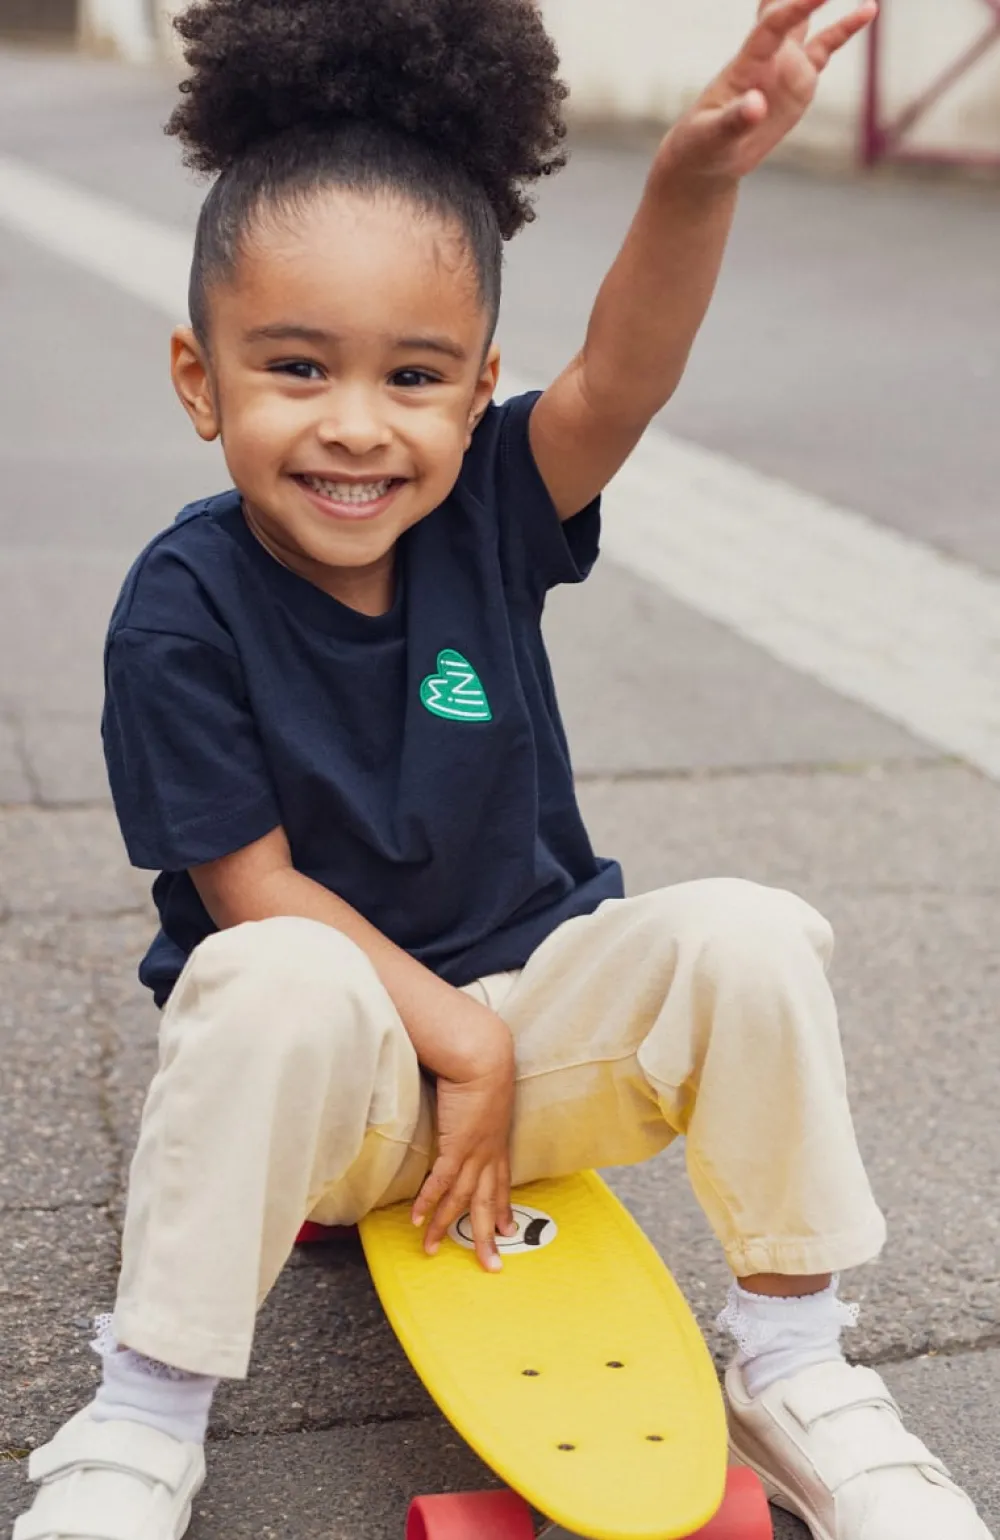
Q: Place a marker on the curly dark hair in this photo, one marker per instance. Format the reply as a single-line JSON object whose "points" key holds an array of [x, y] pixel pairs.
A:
{"points": [[455, 103]]}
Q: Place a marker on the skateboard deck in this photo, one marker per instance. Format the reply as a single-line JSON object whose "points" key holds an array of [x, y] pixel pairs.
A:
{"points": [[578, 1374]]}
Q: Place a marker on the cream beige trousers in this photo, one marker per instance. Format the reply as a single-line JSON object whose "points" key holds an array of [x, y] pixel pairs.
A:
{"points": [[287, 1087]]}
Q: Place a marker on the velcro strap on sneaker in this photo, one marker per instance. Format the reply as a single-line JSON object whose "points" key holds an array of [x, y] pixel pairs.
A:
{"points": [[810, 1402], [143, 1452], [894, 1448]]}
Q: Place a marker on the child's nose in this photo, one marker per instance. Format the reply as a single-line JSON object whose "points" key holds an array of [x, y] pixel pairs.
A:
{"points": [[354, 422]]}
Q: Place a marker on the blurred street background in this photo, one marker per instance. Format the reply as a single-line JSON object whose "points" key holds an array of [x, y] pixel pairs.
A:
{"points": [[786, 668]]}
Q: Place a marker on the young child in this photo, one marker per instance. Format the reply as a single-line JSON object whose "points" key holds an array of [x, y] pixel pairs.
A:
{"points": [[391, 965]]}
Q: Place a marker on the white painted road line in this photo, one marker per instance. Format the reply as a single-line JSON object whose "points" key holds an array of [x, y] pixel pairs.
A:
{"points": [[147, 260], [881, 618]]}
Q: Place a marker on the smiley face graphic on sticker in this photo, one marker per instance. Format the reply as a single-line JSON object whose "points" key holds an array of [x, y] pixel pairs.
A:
{"points": [[535, 1230]]}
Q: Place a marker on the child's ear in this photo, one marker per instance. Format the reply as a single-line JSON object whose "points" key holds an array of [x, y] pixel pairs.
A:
{"points": [[485, 390], [189, 372]]}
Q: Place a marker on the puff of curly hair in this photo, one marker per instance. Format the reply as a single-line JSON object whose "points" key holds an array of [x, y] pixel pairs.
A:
{"points": [[473, 81]]}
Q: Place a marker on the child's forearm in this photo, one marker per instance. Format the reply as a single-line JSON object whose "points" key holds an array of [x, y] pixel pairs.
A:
{"points": [[654, 299], [454, 1036], [656, 295]]}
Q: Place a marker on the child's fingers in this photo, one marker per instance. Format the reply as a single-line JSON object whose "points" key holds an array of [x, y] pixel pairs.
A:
{"points": [[711, 131], [436, 1185], [483, 1212], [774, 26], [452, 1204], [506, 1223], [743, 114], [441, 1181], [824, 45]]}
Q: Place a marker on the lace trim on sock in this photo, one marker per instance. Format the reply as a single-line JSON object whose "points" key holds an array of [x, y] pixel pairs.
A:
{"points": [[105, 1343], [753, 1334]]}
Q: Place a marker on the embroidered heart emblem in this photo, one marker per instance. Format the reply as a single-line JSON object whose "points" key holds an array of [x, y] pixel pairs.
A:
{"points": [[455, 692]]}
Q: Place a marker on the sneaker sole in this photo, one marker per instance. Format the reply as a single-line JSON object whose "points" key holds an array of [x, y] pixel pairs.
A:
{"points": [[779, 1497]]}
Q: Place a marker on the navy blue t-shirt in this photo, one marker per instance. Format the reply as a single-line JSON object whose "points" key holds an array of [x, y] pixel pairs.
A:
{"points": [[415, 759]]}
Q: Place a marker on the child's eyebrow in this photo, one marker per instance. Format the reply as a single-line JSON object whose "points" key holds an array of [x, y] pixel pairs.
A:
{"points": [[433, 345], [289, 332], [286, 332]]}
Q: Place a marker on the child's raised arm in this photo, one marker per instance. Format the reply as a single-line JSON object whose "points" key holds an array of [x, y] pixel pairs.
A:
{"points": [[654, 299]]}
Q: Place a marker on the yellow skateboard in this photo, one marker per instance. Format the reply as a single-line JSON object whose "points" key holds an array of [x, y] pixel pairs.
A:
{"points": [[578, 1374]]}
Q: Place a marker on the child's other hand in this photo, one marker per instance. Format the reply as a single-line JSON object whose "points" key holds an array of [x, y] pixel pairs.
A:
{"points": [[762, 95], [475, 1108]]}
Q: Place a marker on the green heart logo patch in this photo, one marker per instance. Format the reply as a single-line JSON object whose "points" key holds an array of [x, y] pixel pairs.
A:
{"points": [[455, 692]]}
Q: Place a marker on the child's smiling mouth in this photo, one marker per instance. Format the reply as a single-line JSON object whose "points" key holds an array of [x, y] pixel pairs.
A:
{"points": [[350, 499]]}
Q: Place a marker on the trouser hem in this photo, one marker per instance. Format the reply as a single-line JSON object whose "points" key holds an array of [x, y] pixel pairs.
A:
{"points": [[177, 1344], [805, 1257]]}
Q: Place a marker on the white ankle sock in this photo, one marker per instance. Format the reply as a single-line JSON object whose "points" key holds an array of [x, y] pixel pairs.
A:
{"points": [[780, 1337], [138, 1389]]}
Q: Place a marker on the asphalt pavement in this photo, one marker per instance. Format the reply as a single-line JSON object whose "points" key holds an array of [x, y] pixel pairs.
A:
{"points": [[852, 351]]}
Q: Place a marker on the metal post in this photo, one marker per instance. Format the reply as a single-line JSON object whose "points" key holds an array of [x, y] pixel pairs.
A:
{"points": [[883, 138], [872, 138]]}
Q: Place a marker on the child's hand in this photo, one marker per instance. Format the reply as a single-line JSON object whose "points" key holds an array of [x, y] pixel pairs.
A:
{"points": [[761, 96], [472, 1171]]}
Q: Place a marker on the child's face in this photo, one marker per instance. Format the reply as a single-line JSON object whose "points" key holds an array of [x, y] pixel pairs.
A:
{"points": [[346, 375]]}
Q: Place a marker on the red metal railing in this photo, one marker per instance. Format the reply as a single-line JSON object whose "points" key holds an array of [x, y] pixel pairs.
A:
{"points": [[884, 136]]}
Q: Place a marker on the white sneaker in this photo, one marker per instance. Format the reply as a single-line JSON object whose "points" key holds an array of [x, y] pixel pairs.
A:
{"points": [[112, 1481], [830, 1447]]}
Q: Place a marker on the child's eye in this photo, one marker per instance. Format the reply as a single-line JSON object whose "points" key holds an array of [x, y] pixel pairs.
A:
{"points": [[411, 378], [298, 368]]}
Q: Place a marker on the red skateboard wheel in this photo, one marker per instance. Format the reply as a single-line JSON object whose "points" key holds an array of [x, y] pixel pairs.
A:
{"points": [[470, 1516], [313, 1234], [745, 1514]]}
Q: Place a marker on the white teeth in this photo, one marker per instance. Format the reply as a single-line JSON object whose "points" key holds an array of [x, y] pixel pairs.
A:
{"points": [[348, 491]]}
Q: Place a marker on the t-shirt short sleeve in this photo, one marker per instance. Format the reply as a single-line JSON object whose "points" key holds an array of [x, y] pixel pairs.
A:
{"points": [[555, 551], [186, 768]]}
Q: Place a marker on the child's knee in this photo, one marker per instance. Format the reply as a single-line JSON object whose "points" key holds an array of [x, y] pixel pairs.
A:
{"points": [[281, 986], [725, 926], [755, 931], [283, 947], [747, 984]]}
